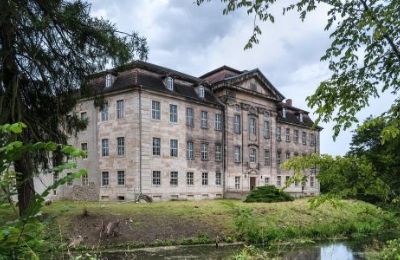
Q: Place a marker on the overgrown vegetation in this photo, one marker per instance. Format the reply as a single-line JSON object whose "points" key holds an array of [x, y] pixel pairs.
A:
{"points": [[268, 193]]}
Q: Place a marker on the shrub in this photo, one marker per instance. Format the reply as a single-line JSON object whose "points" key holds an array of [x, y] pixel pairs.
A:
{"points": [[268, 193]]}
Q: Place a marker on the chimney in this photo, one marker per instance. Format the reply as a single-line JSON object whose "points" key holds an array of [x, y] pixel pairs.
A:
{"points": [[289, 102]]}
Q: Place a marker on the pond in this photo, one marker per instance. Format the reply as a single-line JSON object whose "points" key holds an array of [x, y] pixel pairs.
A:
{"points": [[324, 251]]}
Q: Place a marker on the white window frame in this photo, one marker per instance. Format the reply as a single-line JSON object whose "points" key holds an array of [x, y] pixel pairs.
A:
{"points": [[266, 129], [278, 134], [267, 157], [119, 174], [253, 155], [190, 150], [155, 110], [204, 151], [252, 126], [173, 181], [105, 178], [237, 154], [189, 178], [201, 91], [108, 80], [156, 146], [173, 113], [218, 121], [173, 147], [105, 147], [218, 152], [189, 117], [204, 119], [121, 146], [104, 112], [169, 81], [204, 178], [218, 178], [237, 182], [120, 109], [296, 136], [304, 138], [156, 178], [237, 124]]}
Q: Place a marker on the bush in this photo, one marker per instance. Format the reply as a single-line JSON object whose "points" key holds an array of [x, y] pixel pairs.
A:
{"points": [[268, 193]]}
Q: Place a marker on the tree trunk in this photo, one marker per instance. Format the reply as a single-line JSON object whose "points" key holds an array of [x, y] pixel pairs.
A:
{"points": [[25, 188]]}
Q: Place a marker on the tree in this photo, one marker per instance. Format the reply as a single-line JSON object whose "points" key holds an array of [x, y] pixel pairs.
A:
{"points": [[364, 56], [47, 48]]}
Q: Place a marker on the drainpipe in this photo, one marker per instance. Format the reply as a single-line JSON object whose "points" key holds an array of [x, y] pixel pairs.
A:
{"points": [[224, 141], [241, 132], [140, 140]]}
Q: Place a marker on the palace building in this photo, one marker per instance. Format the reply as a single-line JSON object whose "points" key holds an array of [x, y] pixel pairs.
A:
{"points": [[159, 132]]}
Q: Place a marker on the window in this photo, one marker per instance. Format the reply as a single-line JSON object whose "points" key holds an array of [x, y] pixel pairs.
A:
{"points": [[120, 109], [104, 147], [278, 158], [84, 148], [108, 80], [189, 117], [105, 179], [253, 155], [121, 146], [218, 122], [312, 140], [121, 178], [218, 152], [284, 112], [287, 180], [189, 151], [85, 179], [278, 133], [173, 179], [155, 110], [104, 112], [304, 138], [237, 153], [287, 155], [237, 182], [267, 157], [266, 180], [218, 178], [173, 113], [204, 119], [253, 86], [266, 130], [287, 135], [252, 126], [204, 151], [189, 178], [301, 118], [156, 146], [70, 179], [156, 178], [204, 178], [173, 148], [237, 124], [296, 136], [170, 83], [84, 116], [311, 181], [201, 91], [278, 181], [296, 154]]}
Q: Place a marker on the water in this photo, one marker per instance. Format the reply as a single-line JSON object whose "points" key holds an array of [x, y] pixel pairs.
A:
{"points": [[324, 251]]}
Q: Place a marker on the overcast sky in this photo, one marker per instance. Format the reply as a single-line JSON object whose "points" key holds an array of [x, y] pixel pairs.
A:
{"points": [[195, 40]]}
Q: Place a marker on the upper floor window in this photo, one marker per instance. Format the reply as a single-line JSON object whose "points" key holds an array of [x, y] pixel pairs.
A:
{"points": [[174, 148], [201, 91], [253, 126], [287, 155], [189, 117], [296, 136], [204, 151], [218, 152], [253, 155], [84, 147], [121, 146], [173, 113], [104, 147], [85, 179], [312, 139], [278, 134], [156, 146], [288, 135], [304, 138], [236, 124], [237, 154], [120, 109], [105, 179], [218, 122], [301, 117], [278, 181], [109, 80], [204, 119], [267, 157], [311, 181], [170, 83], [284, 112], [104, 112], [155, 110], [266, 129], [278, 157], [190, 151]]}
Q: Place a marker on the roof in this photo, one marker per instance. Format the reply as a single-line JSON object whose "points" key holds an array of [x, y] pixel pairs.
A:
{"points": [[224, 67], [293, 118]]}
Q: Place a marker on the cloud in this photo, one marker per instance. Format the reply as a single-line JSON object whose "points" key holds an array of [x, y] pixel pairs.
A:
{"points": [[196, 39]]}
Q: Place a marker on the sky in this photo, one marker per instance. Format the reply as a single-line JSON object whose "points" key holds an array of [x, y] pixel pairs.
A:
{"points": [[196, 39]]}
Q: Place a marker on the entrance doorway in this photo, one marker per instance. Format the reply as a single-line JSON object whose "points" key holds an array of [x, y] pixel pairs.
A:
{"points": [[252, 183]]}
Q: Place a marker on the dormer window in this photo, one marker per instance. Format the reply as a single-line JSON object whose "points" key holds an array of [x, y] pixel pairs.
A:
{"points": [[301, 118], [284, 112], [201, 91], [109, 80], [170, 83]]}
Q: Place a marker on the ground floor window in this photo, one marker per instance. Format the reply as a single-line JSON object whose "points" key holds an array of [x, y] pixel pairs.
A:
{"points": [[121, 177], [218, 178], [105, 179], [156, 178], [173, 178], [287, 180], [237, 182], [311, 181], [278, 181], [85, 179], [204, 178], [266, 180], [70, 180], [189, 178]]}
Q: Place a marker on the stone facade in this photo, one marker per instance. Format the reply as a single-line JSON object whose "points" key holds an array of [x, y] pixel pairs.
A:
{"points": [[209, 137]]}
